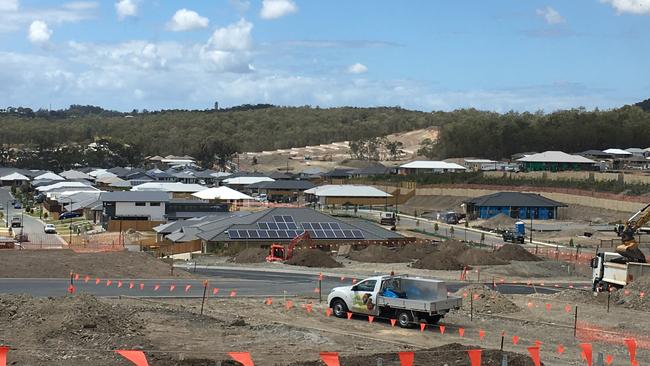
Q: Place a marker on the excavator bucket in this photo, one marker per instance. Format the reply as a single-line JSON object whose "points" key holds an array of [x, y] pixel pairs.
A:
{"points": [[631, 252]]}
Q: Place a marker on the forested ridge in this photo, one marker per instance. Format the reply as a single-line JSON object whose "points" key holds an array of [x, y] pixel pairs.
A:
{"points": [[492, 135], [56, 137], [178, 132]]}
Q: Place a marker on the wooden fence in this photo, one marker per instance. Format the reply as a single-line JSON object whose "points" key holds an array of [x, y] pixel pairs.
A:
{"points": [[137, 225], [177, 248]]}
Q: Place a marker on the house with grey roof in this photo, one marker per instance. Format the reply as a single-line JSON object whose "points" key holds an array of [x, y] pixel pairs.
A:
{"points": [[134, 206], [282, 224], [518, 205]]}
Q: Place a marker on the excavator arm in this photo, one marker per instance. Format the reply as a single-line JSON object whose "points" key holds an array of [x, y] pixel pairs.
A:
{"points": [[629, 247], [304, 237]]}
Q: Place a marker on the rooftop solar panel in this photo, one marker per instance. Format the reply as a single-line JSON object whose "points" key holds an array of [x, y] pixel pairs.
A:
{"points": [[263, 225]]}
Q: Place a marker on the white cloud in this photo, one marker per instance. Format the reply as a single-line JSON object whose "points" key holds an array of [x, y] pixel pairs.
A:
{"points": [[229, 48], [240, 5], [12, 20], [39, 32], [357, 68], [126, 8], [235, 37], [630, 6], [184, 20], [550, 15], [272, 9], [8, 5], [81, 5]]}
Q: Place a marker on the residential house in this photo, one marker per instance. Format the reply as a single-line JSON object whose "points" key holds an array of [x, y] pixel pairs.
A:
{"points": [[428, 167], [513, 204], [347, 194], [556, 161], [132, 206]]}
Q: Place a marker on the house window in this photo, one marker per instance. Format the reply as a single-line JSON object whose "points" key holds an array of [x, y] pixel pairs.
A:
{"points": [[154, 204], [140, 203]]}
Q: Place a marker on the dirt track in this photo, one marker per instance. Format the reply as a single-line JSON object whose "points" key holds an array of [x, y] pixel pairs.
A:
{"points": [[59, 263], [170, 330]]}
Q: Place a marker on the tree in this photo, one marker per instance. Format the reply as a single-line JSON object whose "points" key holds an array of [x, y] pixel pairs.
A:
{"points": [[427, 149], [213, 152], [394, 149]]}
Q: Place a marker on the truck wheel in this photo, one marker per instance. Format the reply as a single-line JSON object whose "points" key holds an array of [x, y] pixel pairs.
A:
{"points": [[433, 319], [339, 308], [404, 319]]}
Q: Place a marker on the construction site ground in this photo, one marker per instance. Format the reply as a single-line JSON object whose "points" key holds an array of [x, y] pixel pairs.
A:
{"points": [[328, 156], [82, 330], [58, 263]]}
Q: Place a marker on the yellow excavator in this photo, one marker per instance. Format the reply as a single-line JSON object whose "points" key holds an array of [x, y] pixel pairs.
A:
{"points": [[629, 248]]}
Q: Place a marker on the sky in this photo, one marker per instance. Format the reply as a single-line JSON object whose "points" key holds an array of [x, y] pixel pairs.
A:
{"points": [[499, 55]]}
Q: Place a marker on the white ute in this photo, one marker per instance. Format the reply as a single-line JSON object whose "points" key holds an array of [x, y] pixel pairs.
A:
{"points": [[410, 300]]}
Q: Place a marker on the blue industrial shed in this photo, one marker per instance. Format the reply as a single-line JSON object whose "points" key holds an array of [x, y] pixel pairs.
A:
{"points": [[513, 204]]}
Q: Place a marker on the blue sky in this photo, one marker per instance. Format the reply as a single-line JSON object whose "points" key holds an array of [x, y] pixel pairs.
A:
{"points": [[420, 54]]}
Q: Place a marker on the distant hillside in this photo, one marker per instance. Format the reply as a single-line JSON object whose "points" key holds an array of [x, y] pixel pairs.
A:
{"points": [[245, 128], [645, 105]]}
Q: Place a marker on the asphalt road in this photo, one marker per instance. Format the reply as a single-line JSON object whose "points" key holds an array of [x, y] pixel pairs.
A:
{"points": [[33, 227], [243, 282]]}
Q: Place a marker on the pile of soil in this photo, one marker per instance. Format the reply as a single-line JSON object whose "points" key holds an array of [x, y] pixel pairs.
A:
{"points": [[580, 296], [376, 254], [55, 263], [454, 255], [58, 323], [633, 299], [514, 252], [499, 222], [438, 261], [486, 300], [413, 251], [449, 354], [251, 255], [313, 258], [542, 269]]}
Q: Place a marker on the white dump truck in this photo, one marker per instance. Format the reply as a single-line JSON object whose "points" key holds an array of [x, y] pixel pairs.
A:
{"points": [[611, 271], [409, 300]]}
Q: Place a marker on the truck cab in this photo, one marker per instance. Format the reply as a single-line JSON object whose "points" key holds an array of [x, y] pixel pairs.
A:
{"points": [[612, 270], [409, 300]]}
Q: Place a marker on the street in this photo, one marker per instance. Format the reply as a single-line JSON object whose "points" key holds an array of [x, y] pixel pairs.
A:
{"points": [[33, 227], [244, 282]]}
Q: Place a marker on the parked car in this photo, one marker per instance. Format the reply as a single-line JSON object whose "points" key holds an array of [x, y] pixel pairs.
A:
{"points": [[16, 221], [68, 215], [17, 205], [50, 229]]}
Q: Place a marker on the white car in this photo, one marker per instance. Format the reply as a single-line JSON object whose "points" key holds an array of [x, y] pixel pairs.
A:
{"points": [[50, 229]]}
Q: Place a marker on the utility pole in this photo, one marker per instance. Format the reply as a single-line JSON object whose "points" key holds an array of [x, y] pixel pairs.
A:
{"points": [[531, 225]]}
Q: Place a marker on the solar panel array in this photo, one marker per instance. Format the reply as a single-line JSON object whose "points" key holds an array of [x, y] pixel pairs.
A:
{"points": [[264, 234], [284, 227]]}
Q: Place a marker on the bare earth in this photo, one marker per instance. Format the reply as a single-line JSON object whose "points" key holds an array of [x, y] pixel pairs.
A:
{"points": [[173, 333], [59, 264]]}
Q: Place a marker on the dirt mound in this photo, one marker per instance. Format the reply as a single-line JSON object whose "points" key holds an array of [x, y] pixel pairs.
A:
{"points": [[413, 251], [438, 261], [500, 221], [449, 354], [59, 263], [514, 252], [542, 269], [377, 254], [451, 246], [479, 257], [580, 296], [452, 255], [486, 300], [313, 258], [251, 255], [80, 320], [633, 299]]}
